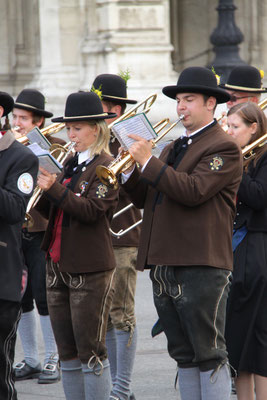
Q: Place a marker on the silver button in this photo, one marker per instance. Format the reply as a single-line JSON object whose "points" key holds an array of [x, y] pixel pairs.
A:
{"points": [[234, 223], [237, 213]]}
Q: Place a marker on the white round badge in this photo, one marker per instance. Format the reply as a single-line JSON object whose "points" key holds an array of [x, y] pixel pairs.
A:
{"points": [[25, 183]]}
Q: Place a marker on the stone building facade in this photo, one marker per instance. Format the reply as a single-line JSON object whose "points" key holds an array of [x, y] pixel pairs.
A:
{"points": [[59, 46]]}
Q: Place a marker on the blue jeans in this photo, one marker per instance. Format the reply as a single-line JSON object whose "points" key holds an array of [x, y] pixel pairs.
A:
{"points": [[191, 304]]}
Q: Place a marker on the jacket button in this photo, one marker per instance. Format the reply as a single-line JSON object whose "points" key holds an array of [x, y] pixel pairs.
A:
{"points": [[237, 213], [240, 203], [234, 223]]}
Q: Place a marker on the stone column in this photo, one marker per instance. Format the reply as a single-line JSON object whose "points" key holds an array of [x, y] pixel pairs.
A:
{"points": [[58, 74], [130, 35]]}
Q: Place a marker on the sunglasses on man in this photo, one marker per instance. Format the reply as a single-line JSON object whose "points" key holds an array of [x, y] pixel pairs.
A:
{"points": [[235, 98]]}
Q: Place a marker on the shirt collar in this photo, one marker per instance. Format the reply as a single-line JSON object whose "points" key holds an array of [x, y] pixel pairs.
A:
{"points": [[84, 156], [198, 130]]}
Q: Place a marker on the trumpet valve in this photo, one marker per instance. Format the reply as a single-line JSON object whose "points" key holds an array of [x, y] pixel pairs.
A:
{"points": [[28, 221]]}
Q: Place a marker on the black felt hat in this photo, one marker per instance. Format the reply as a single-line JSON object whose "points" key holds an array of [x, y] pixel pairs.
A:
{"points": [[197, 80], [32, 100], [113, 88], [7, 102], [244, 78], [83, 106]]}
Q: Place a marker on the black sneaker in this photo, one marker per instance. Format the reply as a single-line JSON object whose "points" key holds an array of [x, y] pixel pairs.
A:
{"points": [[23, 371], [51, 371]]}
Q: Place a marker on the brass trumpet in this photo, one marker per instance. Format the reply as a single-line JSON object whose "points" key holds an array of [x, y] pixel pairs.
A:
{"points": [[108, 175]]}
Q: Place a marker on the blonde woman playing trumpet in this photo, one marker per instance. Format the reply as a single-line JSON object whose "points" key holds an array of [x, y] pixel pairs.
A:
{"points": [[80, 259]]}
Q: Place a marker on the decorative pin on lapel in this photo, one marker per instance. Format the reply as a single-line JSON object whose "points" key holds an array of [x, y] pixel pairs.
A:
{"points": [[82, 186], [216, 163], [101, 190]]}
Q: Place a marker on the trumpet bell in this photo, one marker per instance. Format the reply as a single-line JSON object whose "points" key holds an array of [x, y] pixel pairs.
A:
{"points": [[107, 176]]}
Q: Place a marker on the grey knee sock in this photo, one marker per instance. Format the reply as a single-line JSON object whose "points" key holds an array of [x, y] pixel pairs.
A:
{"points": [[28, 336], [112, 353], [216, 385], [49, 339], [72, 379], [125, 362], [97, 383], [189, 383]]}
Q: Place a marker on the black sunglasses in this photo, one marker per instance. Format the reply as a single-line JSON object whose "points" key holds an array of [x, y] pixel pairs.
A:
{"points": [[234, 98]]}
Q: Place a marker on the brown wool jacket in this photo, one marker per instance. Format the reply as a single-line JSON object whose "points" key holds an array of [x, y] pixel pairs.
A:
{"points": [[85, 241], [193, 222]]}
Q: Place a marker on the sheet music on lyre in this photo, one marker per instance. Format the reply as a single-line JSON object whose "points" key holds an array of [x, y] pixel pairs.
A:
{"points": [[138, 124]]}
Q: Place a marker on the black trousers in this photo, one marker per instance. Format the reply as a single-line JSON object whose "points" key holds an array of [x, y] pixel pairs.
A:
{"points": [[191, 304], [9, 319], [35, 261]]}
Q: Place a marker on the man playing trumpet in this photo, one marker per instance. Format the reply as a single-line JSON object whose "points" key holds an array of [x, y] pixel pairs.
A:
{"points": [[189, 196]]}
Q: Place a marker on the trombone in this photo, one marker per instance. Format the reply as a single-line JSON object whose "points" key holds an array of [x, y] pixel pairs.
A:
{"points": [[146, 104], [108, 175], [248, 152], [122, 232], [49, 130]]}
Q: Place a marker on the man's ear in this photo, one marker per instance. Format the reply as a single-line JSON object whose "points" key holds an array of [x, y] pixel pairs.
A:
{"points": [[117, 109], [211, 103], [39, 123]]}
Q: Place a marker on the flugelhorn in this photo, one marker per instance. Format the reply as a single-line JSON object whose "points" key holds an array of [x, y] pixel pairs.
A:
{"points": [[108, 175], [62, 153]]}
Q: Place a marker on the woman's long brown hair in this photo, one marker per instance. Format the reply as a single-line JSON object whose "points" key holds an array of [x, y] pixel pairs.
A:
{"points": [[250, 113]]}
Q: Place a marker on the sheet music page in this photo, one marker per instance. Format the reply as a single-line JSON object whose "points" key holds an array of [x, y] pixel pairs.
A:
{"points": [[36, 136], [138, 124], [46, 161]]}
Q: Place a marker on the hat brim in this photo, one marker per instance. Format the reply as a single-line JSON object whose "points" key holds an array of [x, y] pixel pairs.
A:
{"points": [[242, 88], [84, 118], [7, 102], [220, 94], [119, 100], [37, 111]]}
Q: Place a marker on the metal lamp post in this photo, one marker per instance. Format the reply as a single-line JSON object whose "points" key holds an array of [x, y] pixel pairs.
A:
{"points": [[226, 37]]}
